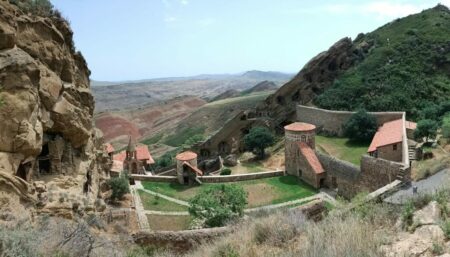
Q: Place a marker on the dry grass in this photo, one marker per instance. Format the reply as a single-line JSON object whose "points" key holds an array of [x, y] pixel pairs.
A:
{"points": [[287, 233], [169, 223], [426, 168]]}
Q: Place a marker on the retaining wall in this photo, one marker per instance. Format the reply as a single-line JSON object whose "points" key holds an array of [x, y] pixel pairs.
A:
{"points": [[180, 241], [338, 168], [241, 177], [154, 178], [331, 121]]}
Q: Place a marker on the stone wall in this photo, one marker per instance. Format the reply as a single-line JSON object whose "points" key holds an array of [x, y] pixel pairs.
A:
{"points": [[241, 177], [350, 179], [331, 121], [338, 168], [170, 179], [180, 241]]}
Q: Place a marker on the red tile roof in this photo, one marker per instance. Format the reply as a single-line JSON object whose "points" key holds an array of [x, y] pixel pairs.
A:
{"points": [[186, 156], [120, 156], [142, 153], [311, 157], [389, 133], [300, 126], [109, 148], [194, 169], [411, 125]]}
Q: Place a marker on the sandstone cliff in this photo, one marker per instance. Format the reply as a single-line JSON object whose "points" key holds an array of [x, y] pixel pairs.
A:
{"points": [[51, 156]]}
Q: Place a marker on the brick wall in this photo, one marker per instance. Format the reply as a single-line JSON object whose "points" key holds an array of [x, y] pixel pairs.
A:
{"points": [[387, 152]]}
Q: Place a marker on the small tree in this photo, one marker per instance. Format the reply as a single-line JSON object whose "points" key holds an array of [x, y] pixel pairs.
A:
{"points": [[119, 186], [361, 126], [258, 139], [426, 128], [219, 204]]}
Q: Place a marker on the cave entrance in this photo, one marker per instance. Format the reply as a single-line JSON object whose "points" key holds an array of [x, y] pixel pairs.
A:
{"points": [[44, 160], [22, 171]]}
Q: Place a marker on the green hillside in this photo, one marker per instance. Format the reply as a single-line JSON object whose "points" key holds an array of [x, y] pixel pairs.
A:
{"points": [[407, 67]]}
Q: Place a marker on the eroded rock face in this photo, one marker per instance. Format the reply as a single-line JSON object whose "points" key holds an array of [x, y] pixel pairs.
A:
{"points": [[51, 157]]}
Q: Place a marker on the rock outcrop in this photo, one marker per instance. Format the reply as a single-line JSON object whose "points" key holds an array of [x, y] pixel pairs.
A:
{"points": [[51, 156]]}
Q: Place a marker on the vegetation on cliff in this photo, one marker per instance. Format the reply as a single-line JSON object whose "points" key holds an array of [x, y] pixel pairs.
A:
{"points": [[406, 68]]}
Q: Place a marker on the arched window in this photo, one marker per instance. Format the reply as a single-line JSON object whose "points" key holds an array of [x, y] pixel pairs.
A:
{"points": [[303, 138]]}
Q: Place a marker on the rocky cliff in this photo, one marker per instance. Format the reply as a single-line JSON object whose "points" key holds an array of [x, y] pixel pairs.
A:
{"points": [[51, 156]]}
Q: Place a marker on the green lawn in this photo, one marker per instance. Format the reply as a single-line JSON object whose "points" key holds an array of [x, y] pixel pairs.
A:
{"points": [[154, 203], [342, 148], [260, 191]]}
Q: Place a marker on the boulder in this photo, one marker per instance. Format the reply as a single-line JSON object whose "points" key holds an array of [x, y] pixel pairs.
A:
{"points": [[230, 160], [428, 215]]}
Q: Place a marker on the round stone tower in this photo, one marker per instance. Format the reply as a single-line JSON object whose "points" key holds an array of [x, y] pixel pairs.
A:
{"points": [[295, 133], [188, 157]]}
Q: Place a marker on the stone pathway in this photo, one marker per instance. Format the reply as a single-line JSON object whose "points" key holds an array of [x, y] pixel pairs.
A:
{"points": [[180, 202], [141, 215], [424, 186]]}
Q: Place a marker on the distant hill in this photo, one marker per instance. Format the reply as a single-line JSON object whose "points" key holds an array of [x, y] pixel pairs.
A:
{"points": [[134, 94], [227, 94], [262, 86]]}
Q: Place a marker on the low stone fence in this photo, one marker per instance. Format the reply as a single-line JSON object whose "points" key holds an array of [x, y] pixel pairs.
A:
{"points": [[154, 178], [241, 177], [180, 241]]}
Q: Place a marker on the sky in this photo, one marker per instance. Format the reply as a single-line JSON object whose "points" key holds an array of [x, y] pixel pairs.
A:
{"points": [[142, 39]]}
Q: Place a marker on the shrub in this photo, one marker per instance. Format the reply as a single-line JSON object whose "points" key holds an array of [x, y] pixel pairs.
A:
{"points": [[258, 139], [426, 128], [219, 204], [407, 214], [446, 228], [119, 186], [437, 248], [37, 7], [445, 125], [361, 126], [225, 172], [225, 250]]}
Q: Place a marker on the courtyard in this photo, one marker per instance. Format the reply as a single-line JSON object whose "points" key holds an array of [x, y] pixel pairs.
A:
{"points": [[260, 192], [342, 148]]}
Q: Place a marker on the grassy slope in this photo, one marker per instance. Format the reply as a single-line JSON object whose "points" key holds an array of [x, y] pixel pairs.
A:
{"points": [[407, 68], [342, 148], [260, 192]]}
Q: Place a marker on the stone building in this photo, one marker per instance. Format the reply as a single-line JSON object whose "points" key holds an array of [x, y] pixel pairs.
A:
{"points": [[136, 158], [300, 157], [387, 141], [187, 170]]}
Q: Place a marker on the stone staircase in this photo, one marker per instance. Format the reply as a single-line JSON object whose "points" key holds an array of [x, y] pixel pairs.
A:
{"points": [[401, 175], [412, 152]]}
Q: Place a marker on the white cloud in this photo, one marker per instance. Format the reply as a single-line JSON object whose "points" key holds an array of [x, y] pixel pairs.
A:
{"points": [[184, 2]]}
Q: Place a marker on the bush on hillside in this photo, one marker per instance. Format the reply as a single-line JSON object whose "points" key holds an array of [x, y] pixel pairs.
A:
{"points": [[165, 160], [38, 7], [219, 204], [361, 126], [225, 172], [446, 126], [258, 139], [119, 186], [426, 128]]}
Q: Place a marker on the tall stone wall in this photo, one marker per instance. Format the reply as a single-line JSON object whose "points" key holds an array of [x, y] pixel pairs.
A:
{"points": [[331, 121], [350, 179], [241, 177]]}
